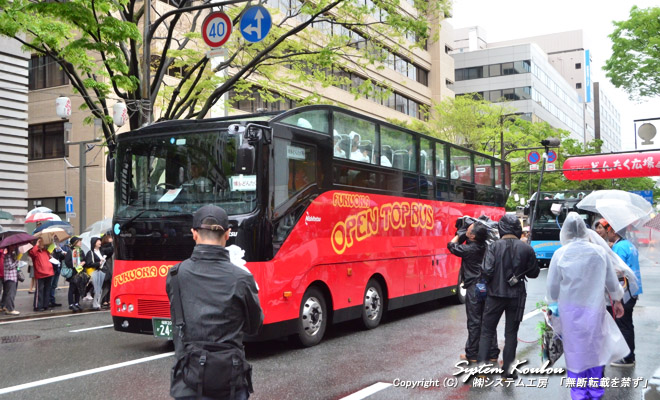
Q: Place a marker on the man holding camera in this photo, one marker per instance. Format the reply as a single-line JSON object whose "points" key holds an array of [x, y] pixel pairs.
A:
{"points": [[506, 264], [472, 255]]}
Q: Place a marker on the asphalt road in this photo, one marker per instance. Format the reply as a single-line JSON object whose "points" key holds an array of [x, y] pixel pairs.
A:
{"points": [[81, 357]]}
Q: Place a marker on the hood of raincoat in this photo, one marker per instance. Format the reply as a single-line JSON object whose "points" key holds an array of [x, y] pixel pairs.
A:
{"points": [[510, 225], [574, 228], [92, 242]]}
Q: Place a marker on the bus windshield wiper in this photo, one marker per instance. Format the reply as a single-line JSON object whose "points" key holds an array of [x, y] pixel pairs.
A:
{"points": [[136, 216]]}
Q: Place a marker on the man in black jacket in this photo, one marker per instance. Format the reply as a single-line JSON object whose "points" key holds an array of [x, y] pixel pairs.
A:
{"points": [[219, 299], [506, 264], [472, 255]]}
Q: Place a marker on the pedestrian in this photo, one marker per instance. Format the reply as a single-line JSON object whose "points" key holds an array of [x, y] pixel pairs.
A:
{"points": [[57, 254], [590, 337], [10, 283], [2, 278], [628, 253], [212, 302], [94, 264], [108, 251], [507, 264], [43, 273], [525, 235], [472, 255], [601, 229], [75, 260]]}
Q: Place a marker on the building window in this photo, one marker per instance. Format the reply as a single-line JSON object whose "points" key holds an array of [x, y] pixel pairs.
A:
{"points": [[46, 141], [578, 85], [578, 65], [45, 72]]}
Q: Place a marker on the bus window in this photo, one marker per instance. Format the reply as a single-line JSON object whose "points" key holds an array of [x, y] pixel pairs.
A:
{"points": [[440, 162], [403, 148], [461, 165], [295, 169], [483, 171], [361, 135], [426, 157], [498, 174], [316, 120]]}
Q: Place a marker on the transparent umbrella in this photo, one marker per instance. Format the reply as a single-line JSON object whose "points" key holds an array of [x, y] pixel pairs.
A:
{"points": [[620, 209], [6, 215], [99, 228]]}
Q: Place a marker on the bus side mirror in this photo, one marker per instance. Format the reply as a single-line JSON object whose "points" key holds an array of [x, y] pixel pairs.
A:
{"points": [[526, 210], [110, 168], [245, 156]]}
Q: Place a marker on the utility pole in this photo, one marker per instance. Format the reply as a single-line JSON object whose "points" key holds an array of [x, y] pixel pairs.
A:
{"points": [[550, 142], [82, 172]]}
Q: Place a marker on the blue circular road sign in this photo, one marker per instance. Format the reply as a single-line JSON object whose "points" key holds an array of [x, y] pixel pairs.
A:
{"points": [[552, 156], [255, 24], [533, 157]]}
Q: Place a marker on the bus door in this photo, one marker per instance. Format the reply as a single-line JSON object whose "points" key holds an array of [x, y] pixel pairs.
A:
{"points": [[407, 265]]}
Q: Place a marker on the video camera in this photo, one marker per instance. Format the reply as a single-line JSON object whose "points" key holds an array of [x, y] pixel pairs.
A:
{"points": [[464, 222]]}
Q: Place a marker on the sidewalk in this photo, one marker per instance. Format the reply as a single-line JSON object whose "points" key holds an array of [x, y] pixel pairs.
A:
{"points": [[23, 303]]}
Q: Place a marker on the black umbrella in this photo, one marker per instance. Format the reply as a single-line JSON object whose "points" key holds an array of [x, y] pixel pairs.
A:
{"points": [[17, 239]]}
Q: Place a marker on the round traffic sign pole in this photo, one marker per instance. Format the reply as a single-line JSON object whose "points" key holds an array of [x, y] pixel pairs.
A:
{"points": [[216, 29]]}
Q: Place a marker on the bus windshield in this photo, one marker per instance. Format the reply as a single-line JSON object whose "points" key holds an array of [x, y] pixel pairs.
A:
{"points": [[181, 173]]}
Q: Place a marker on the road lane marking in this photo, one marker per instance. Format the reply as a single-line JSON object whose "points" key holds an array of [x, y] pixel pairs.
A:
{"points": [[61, 378], [531, 314], [91, 329], [53, 317], [366, 392]]}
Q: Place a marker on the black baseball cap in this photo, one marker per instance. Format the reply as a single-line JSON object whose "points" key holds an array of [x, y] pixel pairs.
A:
{"points": [[214, 212]]}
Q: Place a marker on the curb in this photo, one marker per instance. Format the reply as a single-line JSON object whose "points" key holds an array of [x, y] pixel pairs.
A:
{"points": [[42, 314]]}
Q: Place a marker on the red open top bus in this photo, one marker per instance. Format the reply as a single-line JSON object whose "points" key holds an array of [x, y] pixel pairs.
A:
{"points": [[341, 216]]}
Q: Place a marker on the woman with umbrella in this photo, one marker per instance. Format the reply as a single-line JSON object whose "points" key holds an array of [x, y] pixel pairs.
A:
{"points": [[43, 272], [10, 280]]}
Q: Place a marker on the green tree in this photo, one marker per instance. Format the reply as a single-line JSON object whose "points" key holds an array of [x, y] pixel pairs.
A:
{"points": [[635, 62], [99, 45]]}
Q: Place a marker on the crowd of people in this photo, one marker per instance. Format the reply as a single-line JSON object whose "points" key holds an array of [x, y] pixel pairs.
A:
{"points": [[596, 314], [88, 274]]}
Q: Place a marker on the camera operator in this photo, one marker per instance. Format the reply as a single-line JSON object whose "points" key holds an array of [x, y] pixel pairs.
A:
{"points": [[506, 264], [472, 255]]}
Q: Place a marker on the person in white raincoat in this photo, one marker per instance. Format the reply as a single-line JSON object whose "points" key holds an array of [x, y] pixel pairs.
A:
{"points": [[580, 273]]}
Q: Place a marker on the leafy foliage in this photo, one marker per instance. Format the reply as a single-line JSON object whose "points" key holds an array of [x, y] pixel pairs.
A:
{"points": [[635, 62], [99, 45]]}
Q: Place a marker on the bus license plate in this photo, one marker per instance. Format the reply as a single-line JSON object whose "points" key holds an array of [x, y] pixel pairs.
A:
{"points": [[162, 328]]}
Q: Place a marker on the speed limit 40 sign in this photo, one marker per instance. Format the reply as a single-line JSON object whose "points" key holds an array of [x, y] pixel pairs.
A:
{"points": [[216, 29]]}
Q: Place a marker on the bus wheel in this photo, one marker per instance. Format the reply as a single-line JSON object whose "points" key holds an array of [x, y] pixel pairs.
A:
{"points": [[313, 318], [461, 292], [373, 307]]}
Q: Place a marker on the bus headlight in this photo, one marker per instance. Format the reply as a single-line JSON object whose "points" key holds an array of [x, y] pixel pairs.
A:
{"points": [[123, 307], [130, 308], [118, 301]]}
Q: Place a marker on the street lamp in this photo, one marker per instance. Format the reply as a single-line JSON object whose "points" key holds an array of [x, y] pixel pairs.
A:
{"points": [[547, 143]]}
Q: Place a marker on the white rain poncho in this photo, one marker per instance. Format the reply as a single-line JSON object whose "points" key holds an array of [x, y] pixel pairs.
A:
{"points": [[580, 271]]}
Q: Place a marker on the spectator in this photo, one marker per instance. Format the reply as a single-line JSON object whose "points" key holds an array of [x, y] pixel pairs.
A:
{"points": [[472, 255], [107, 251], [75, 259], [628, 253], [601, 229], [507, 263], [57, 254], [10, 284], [590, 338], [43, 273], [94, 263]]}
